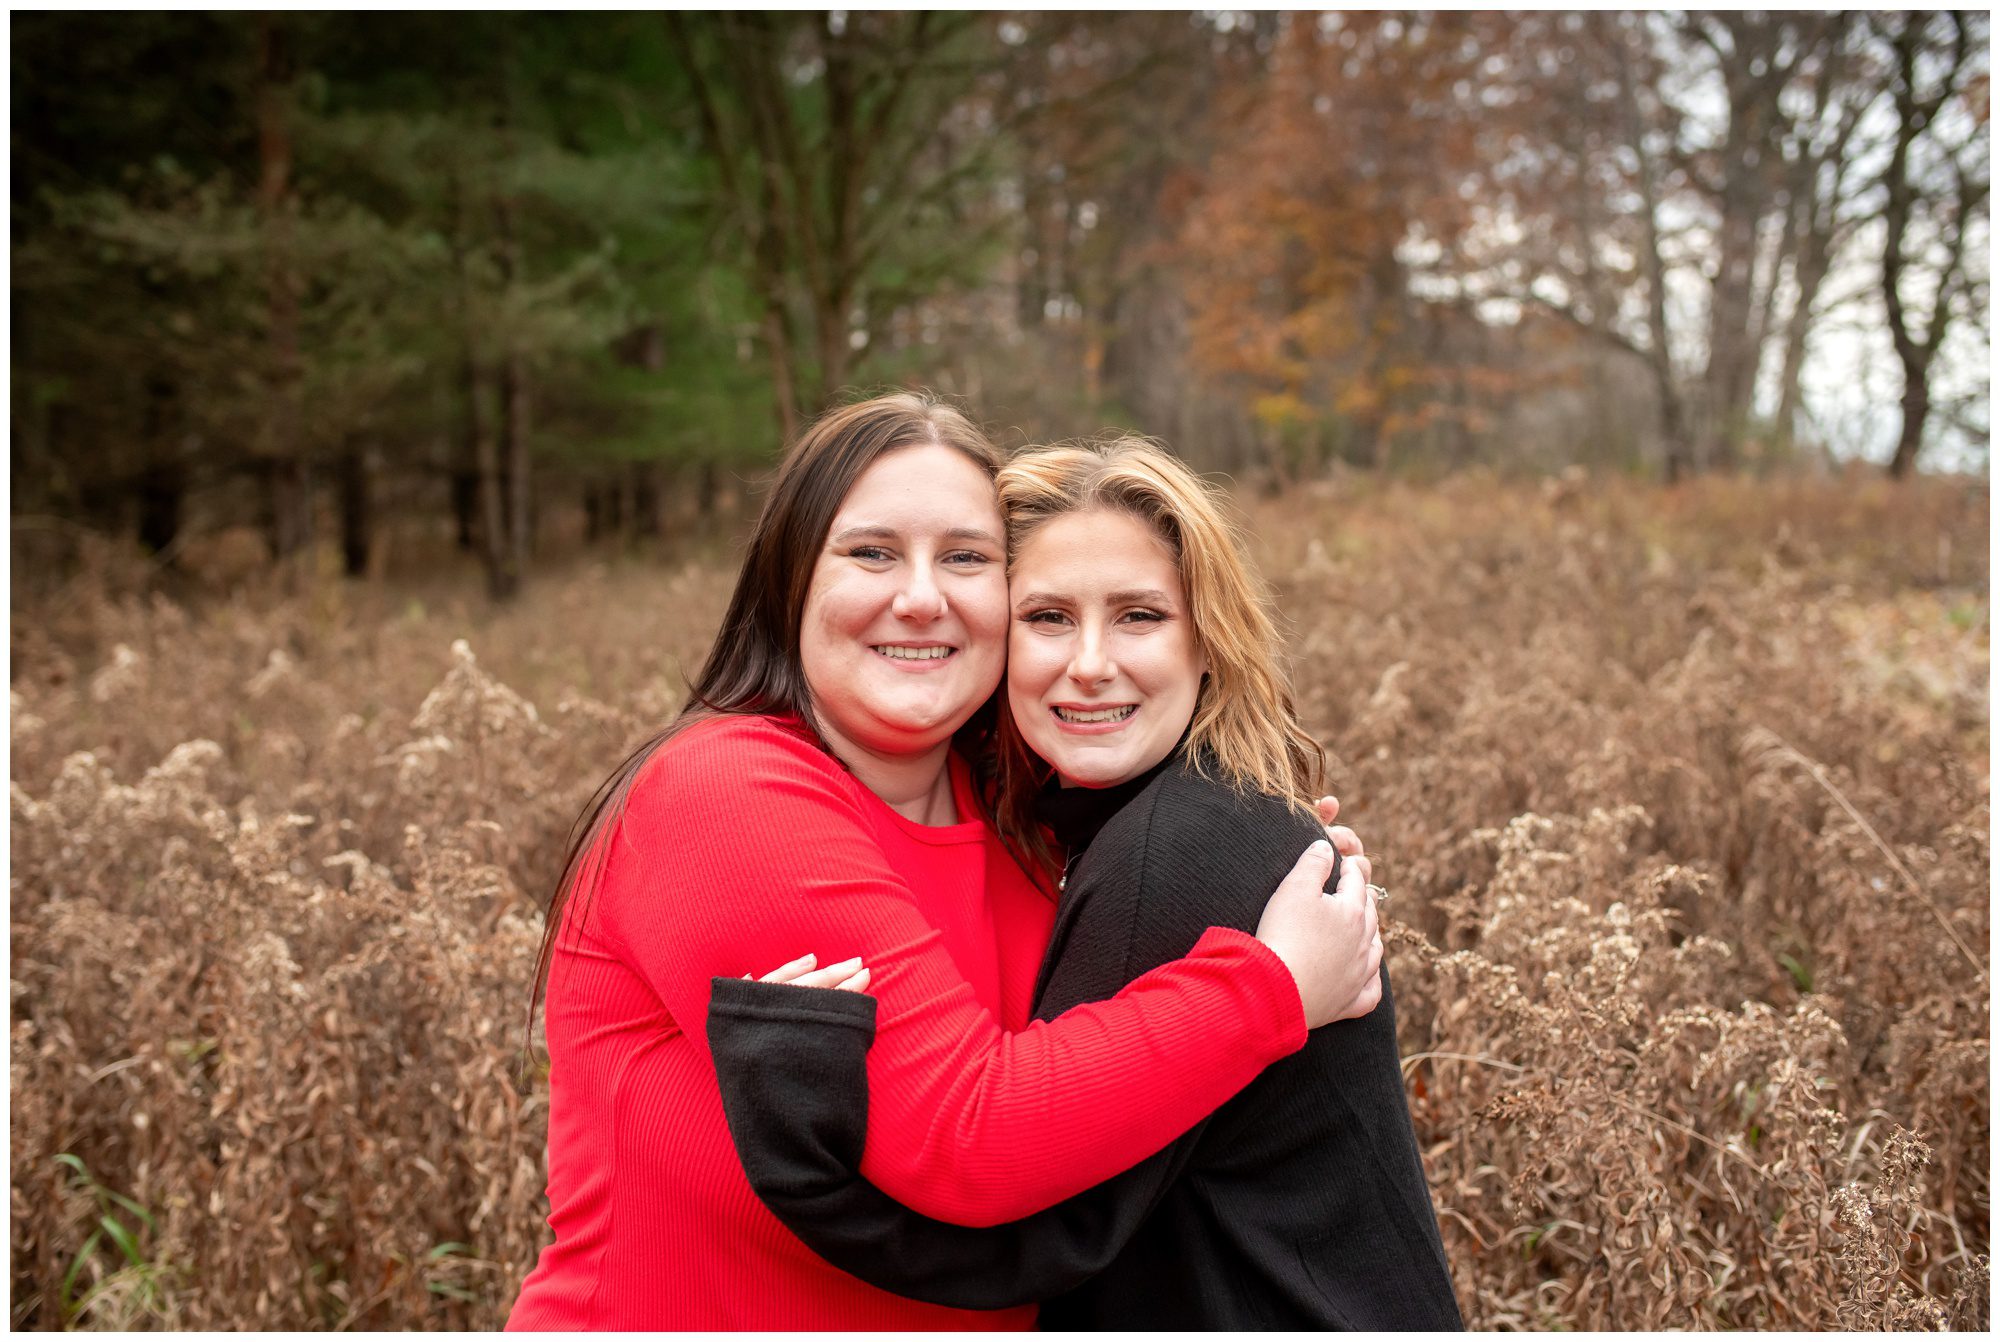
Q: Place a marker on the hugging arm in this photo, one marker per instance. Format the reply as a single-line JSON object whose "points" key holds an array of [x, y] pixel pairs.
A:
{"points": [[969, 1123], [793, 1064]]}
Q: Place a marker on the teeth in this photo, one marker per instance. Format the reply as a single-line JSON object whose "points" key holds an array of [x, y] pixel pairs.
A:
{"points": [[903, 654], [1097, 714]]}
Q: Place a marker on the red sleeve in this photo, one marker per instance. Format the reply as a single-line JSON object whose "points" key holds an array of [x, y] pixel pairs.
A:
{"points": [[746, 848]]}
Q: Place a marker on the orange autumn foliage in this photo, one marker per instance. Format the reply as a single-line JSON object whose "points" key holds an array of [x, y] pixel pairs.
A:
{"points": [[1344, 171]]}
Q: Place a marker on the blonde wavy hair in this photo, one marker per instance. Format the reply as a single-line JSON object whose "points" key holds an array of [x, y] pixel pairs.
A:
{"points": [[1245, 727]]}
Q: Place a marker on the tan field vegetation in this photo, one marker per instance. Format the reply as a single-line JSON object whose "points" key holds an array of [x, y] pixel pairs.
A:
{"points": [[1682, 800]]}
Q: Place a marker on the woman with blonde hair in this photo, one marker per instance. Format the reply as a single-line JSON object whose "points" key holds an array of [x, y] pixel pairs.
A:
{"points": [[822, 789], [1151, 759]]}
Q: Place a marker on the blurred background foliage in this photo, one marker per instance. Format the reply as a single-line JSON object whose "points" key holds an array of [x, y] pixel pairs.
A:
{"points": [[517, 282]]}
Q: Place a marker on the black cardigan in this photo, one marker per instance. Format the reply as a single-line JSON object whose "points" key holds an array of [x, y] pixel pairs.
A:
{"points": [[1301, 1203]]}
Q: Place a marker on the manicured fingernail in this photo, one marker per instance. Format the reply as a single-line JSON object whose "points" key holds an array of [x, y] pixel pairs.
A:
{"points": [[1322, 848]]}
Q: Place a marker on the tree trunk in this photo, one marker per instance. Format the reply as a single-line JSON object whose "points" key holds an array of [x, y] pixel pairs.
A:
{"points": [[770, 267], [289, 478], [517, 466], [1735, 329], [465, 495], [475, 481], [1031, 290], [502, 581], [645, 500], [1966, 194], [707, 488], [1679, 455], [478, 445], [534, 528], [1757, 62], [611, 508], [162, 485], [162, 491], [830, 325], [468, 484], [288, 506], [1731, 359], [784, 371], [832, 278], [1811, 272], [1679, 462], [767, 247], [357, 515], [1916, 412]]}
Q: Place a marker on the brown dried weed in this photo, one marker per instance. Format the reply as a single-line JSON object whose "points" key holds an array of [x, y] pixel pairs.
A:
{"points": [[1683, 797]]}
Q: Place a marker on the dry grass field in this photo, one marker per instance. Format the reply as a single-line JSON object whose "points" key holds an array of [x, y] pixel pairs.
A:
{"points": [[1682, 798]]}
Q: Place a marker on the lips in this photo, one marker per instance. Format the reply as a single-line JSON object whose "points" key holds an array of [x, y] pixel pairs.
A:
{"points": [[914, 652], [1085, 717]]}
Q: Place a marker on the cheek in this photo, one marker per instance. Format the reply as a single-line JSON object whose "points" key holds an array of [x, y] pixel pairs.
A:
{"points": [[1172, 671], [824, 625], [982, 611], [1032, 662], [815, 649], [836, 605], [986, 611], [813, 617], [1193, 668], [1031, 671]]}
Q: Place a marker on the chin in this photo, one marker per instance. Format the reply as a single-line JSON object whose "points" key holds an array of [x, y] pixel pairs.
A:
{"points": [[927, 722], [1094, 773]]}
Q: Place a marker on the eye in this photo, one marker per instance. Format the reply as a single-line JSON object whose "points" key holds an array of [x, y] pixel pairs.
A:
{"points": [[1050, 619], [1142, 617], [868, 552], [967, 559]]}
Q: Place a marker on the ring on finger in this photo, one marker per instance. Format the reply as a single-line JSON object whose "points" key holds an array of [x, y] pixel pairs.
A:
{"points": [[1377, 891]]}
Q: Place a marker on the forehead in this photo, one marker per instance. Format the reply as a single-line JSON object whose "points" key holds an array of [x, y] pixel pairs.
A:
{"points": [[924, 483], [1094, 551]]}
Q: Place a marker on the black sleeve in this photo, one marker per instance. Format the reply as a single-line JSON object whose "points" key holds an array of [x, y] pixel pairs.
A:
{"points": [[793, 1067]]}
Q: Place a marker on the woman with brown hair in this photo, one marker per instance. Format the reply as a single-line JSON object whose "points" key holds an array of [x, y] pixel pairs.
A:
{"points": [[817, 791], [1150, 753]]}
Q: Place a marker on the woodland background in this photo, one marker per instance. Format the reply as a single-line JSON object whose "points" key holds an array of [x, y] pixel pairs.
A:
{"points": [[1607, 400], [517, 277]]}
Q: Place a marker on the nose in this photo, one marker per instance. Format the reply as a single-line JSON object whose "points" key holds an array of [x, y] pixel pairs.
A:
{"points": [[920, 600], [1090, 663]]}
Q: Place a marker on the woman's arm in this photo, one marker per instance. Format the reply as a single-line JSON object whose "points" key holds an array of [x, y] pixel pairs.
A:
{"points": [[747, 845], [794, 1072], [792, 1065]]}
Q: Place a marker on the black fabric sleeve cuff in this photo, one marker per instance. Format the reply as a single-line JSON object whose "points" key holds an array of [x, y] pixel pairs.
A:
{"points": [[793, 1067], [748, 999]]}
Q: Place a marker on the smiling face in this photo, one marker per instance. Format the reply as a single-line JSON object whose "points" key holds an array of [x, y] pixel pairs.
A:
{"points": [[1103, 666], [903, 632]]}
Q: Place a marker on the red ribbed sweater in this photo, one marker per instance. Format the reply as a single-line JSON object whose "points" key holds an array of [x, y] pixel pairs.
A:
{"points": [[744, 845]]}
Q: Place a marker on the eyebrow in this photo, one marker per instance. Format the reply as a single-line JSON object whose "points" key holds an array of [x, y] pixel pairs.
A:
{"points": [[1137, 596], [878, 532]]}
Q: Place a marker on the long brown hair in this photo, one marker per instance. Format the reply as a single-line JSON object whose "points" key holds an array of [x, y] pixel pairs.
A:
{"points": [[1245, 725], [754, 664]]}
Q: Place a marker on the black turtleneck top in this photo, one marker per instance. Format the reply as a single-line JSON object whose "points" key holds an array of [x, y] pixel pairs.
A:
{"points": [[1301, 1203]]}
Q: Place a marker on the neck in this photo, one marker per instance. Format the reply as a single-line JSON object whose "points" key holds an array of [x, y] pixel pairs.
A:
{"points": [[916, 787]]}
